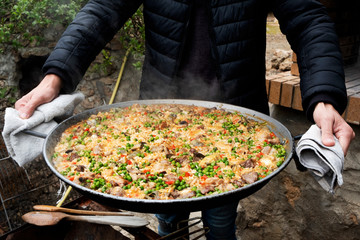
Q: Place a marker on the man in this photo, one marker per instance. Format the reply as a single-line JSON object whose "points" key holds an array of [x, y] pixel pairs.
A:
{"points": [[211, 50]]}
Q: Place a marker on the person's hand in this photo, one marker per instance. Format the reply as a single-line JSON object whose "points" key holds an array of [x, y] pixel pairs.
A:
{"points": [[331, 123], [46, 91]]}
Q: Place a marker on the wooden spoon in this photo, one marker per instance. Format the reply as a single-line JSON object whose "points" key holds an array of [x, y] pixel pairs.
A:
{"points": [[52, 218], [76, 211]]}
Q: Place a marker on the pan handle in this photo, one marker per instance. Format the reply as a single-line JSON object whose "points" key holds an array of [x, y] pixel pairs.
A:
{"points": [[34, 133], [299, 166], [297, 137]]}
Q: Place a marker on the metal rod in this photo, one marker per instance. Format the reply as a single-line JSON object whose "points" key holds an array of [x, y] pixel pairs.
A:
{"points": [[297, 137], [6, 215], [34, 133], [179, 230], [27, 192]]}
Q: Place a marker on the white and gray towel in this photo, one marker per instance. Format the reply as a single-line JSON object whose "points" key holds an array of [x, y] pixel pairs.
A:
{"points": [[24, 148], [325, 163]]}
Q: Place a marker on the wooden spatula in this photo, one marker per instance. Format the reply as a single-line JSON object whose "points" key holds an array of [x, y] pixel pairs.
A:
{"points": [[52, 218], [76, 211]]}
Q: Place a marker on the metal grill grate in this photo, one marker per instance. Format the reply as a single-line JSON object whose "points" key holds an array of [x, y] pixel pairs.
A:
{"points": [[21, 188]]}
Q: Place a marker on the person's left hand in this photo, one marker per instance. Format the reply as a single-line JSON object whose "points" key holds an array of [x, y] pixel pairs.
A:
{"points": [[331, 123]]}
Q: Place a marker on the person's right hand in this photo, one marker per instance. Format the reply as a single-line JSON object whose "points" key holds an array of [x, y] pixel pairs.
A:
{"points": [[46, 91]]}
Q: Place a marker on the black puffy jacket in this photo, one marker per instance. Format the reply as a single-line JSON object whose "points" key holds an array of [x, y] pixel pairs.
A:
{"points": [[237, 31]]}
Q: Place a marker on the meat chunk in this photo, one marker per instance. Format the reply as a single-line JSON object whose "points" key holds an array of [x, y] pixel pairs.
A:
{"points": [[197, 143], [250, 177], [82, 179], [196, 155], [186, 193], [209, 159], [210, 184], [161, 166], [171, 177], [74, 156], [238, 182], [97, 149], [274, 141], [175, 194], [266, 150], [204, 189], [183, 124], [119, 181], [138, 146], [182, 159], [80, 168], [117, 191], [163, 125], [250, 163]]}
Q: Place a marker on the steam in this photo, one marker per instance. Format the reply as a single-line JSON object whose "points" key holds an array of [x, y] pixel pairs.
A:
{"points": [[195, 87]]}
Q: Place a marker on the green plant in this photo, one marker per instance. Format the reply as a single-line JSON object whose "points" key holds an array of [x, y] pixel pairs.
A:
{"points": [[104, 65], [9, 93], [132, 35], [137, 65], [23, 21]]}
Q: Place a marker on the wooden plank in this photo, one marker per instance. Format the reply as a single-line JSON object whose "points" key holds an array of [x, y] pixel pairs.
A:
{"points": [[271, 77], [352, 77], [284, 89], [353, 109], [295, 69], [350, 71], [350, 92], [267, 85], [352, 83], [275, 89], [296, 103], [287, 92], [355, 89], [291, 77]]}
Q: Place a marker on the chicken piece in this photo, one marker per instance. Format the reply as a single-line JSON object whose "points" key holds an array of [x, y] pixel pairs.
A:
{"points": [[97, 149], [209, 159], [186, 193]]}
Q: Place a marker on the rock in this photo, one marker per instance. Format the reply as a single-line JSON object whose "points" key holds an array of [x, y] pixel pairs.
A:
{"points": [[279, 56], [87, 88], [8, 69], [285, 65], [34, 51], [108, 80]]}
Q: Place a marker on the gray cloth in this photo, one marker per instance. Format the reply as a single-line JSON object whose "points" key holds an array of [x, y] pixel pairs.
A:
{"points": [[24, 148], [325, 163]]}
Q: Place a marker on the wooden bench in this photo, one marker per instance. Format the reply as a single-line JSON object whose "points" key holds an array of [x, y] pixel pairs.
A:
{"points": [[284, 89]]}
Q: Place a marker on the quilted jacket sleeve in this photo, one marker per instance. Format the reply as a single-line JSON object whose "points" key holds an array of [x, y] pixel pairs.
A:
{"points": [[312, 36], [93, 27]]}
